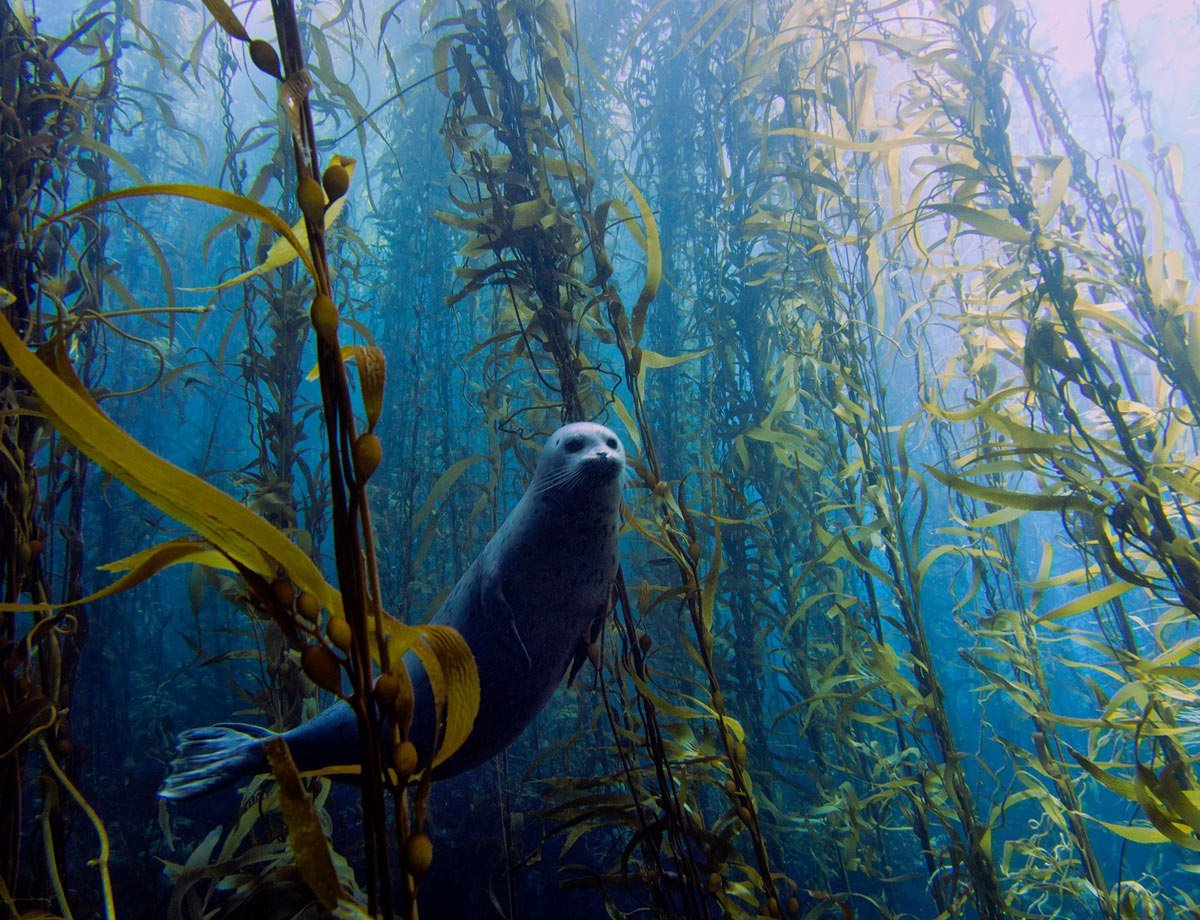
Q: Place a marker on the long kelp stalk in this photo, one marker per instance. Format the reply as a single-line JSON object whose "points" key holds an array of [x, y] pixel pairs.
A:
{"points": [[1143, 495], [812, 239], [41, 120], [272, 312], [347, 478]]}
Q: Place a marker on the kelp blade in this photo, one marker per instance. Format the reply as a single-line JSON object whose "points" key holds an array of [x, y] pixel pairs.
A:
{"points": [[228, 525], [305, 836]]}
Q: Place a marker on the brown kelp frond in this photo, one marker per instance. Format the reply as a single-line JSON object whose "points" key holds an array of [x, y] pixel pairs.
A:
{"points": [[49, 122], [259, 873]]}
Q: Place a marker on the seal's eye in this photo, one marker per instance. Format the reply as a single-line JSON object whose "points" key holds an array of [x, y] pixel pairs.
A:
{"points": [[612, 443], [573, 445]]}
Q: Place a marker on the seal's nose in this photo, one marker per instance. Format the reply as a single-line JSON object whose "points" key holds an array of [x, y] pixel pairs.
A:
{"points": [[602, 459]]}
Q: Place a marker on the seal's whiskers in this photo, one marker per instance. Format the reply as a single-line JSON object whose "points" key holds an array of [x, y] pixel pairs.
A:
{"points": [[567, 476]]}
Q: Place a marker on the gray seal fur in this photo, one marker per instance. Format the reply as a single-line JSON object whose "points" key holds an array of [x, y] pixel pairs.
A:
{"points": [[527, 608]]}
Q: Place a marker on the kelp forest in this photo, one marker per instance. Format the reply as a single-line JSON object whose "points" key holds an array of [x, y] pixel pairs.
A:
{"points": [[896, 316]]}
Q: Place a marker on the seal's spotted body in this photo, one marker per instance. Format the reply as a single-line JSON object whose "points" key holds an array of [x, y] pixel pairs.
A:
{"points": [[525, 607], [526, 603], [539, 584]]}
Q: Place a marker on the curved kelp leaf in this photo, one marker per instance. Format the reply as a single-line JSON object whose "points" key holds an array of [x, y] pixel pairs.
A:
{"points": [[372, 373], [111, 153], [295, 242], [1166, 823], [655, 360], [139, 567], [653, 262], [442, 486], [985, 222], [454, 679], [1087, 602], [1106, 778], [231, 527], [1011, 499], [305, 836], [227, 19], [208, 195]]}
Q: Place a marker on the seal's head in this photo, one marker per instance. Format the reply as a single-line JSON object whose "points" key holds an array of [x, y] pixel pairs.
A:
{"points": [[582, 452]]}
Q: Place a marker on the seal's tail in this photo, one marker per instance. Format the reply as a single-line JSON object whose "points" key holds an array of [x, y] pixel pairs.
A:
{"points": [[214, 757]]}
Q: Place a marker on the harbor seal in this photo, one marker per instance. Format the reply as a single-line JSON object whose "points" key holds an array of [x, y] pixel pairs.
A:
{"points": [[527, 607]]}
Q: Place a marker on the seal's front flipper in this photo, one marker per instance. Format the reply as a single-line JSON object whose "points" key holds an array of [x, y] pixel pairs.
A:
{"points": [[578, 657], [584, 647], [491, 597], [211, 758]]}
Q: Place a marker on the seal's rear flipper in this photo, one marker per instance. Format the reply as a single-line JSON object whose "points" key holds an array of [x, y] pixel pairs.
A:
{"points": [[211, 758]]}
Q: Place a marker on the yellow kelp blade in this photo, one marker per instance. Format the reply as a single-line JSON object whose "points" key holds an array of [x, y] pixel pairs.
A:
{"points": [[139, 567], [1009, 499], [283, 250], [231, 527], [164, 555], [454, 680], [227, 19], [1134, 832], [215, 196], [1164, 822], [19, 11], [653, 262], [442, 486], [1109, 780], [372, 373], [655, 360], [1085, 602], [306, 839]]}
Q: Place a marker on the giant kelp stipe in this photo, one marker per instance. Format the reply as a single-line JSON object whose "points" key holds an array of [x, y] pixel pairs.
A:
{"points": [[894, 307]]}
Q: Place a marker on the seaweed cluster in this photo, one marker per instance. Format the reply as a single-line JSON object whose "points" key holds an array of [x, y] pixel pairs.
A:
{"points": [[904, 350]]}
